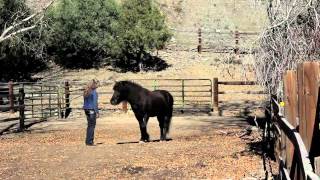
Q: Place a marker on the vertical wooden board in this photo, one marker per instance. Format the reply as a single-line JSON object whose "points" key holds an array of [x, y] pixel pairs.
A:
{"points": [[290, 90], [301, 102], [216, 94], [283, 146], [11, 96], [311, 73], [317, 165]]}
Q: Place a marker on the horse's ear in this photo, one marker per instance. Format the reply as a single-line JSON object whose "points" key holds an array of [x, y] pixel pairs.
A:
{"points": [[118, 84]]}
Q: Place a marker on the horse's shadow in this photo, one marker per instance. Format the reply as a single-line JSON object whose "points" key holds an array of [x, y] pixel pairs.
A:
{"points": [[137, 142]]}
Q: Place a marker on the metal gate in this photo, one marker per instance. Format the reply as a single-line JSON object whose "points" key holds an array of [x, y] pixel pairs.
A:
{"points": [[193, 95]]}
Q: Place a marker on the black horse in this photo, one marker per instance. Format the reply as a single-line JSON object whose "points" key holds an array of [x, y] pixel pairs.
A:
{"points": [[145, 104]]}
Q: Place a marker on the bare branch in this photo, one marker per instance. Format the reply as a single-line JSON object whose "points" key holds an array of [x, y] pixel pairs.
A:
{"points": [[293, 37], [18, 26]]}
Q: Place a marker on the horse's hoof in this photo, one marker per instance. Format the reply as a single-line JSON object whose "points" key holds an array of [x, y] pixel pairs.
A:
{"points": [[141, 142], [144, 140], [162, 139]]}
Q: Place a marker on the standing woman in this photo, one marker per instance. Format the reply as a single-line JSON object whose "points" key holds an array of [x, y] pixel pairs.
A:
{"points": [[91, 110]]}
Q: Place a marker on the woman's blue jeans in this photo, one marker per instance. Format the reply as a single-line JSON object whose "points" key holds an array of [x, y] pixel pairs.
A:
{"points": [[91, 118]]}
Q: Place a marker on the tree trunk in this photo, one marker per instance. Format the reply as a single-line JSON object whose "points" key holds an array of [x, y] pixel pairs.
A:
{"points": [[140, 57]]}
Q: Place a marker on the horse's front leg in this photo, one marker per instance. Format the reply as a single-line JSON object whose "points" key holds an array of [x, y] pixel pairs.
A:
{"points": [[143, 121]]}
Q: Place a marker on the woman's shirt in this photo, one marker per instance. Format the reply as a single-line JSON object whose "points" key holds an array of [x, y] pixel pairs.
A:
{"points": [[91, 101]]}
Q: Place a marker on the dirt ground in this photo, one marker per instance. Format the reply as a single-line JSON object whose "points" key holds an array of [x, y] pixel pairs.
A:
{"points": [[202, 147]]}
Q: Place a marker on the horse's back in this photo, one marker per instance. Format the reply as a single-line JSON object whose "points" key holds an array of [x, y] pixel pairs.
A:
{"points": [[168, 96], [158, 102], [163, 98]]}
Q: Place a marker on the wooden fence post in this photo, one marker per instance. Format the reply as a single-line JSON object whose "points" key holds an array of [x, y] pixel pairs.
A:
{"points": [[59, 101], [199, 40], [41, 101], [308, 77], [317, 165], [236, 49], [291, 107], [32, 108], [50, 108], [11, 96], [216, 95], [21, 108], [183, 94], [311, 76], [211, 94], [67, 99]]}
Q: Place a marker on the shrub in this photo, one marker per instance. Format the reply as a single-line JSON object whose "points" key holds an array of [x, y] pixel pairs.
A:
{"points": [[82, 33], [142, 29]]}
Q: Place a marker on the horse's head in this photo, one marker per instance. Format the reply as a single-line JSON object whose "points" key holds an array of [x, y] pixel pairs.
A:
{"points": [[120, 93]]}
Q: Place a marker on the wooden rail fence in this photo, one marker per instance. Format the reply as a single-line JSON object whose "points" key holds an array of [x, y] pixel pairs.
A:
{"points": [[204, 43], [298, 148], [217, 93]]}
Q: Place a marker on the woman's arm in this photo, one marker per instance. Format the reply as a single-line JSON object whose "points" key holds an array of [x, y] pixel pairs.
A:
{"points": [[95, 102]]}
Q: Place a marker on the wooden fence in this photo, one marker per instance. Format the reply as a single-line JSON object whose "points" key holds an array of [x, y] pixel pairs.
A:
{"points": [[217, 93], [210, 41], [298, 141]]}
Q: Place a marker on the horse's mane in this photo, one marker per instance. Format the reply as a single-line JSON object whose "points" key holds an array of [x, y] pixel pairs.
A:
{"points": [[121, 84]]}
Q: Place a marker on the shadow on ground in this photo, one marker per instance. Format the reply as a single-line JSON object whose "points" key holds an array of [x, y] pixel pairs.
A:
{"points": [[13, 126], [137, 142]]}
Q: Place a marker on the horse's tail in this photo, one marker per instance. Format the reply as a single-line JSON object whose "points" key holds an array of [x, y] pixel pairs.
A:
{"points": [[170, 102]]}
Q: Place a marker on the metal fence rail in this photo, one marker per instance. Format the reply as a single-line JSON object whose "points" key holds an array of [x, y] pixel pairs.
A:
{"points": [[57, 99], [189, 94]]}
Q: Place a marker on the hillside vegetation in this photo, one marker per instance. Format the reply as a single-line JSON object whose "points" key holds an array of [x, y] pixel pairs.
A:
{"points": [[184, 17]]}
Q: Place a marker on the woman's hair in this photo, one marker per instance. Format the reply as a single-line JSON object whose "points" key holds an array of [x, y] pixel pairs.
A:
{"points": [[93, 84]]}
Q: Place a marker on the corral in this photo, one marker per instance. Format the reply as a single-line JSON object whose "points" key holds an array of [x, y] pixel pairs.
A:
{"points": [[224, 126], [200, 142]]}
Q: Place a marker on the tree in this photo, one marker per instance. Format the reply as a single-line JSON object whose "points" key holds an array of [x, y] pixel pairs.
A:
{"points": [[82, 33], [15, 18], [292, 37], [20, 47], [142, 30]]}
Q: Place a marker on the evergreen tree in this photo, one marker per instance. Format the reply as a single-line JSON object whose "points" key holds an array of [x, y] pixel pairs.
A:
{"points": [[142, 30], [82, 33]]}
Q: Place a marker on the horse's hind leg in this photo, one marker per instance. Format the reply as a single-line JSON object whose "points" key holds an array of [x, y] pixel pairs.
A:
{"points": [[166, 125], [162, 130]]}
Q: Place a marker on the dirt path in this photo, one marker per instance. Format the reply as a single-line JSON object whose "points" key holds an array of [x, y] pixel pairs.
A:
{"points": [[201, 147]]}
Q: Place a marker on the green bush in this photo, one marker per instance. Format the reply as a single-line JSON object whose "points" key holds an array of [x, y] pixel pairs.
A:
{"points": [[82, 33], [19, 56], [142, 30]]}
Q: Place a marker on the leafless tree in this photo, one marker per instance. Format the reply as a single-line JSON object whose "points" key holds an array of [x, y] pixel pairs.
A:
{"points": [[293, 36]]}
